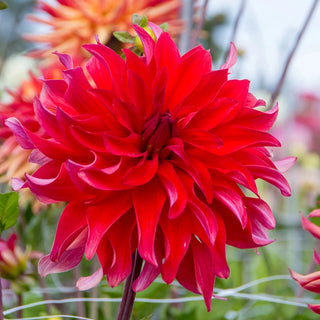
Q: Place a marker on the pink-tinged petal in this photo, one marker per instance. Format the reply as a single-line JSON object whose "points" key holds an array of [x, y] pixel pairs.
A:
{"points": [[149, 271], [285, 164], [65, 59], [86, 283], [69, 259], [71, 223], [122, 246], [58, 187], [156, 29], [20, 133], [232, 58], [314, 213], [310, 227], [174, 188], [101, 216], [272, 176], [18, 184], [314, 307], [316, 257], [203, 264], [147, 42], [260, 210], [309, 282], [148, 206]]}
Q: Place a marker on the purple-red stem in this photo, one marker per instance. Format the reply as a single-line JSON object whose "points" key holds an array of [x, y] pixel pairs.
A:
{"points": [[129, 295]]}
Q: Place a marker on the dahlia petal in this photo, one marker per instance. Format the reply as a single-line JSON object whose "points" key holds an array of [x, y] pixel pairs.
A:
{"points": [[285, 164], [102, 216], [218, 252], [256, 119], [235, 138], [71, 222], [148, 206], [126, 146], [68, 259], [174, 187], [37, 157], [314, 307], [203, 263], [58, 188], [273, 177], [142, 173], [309, 282], [186, 273], [201, 96], [233, 202], [316, 257], [186, 77], [65, 59], [20, 133], [165, 47], [177, 235], [156, 29], [314, 213], [111, 61], [18, 184], [232, 58], [99, 74], [123, 249], [147, 42], [148, 274], [261, 211], [86, 283], [310, 227]]}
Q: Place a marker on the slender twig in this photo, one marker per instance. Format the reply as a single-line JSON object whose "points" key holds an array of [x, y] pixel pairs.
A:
{"points": [[236, 25], [196, 35], [129, 295], [278, 87]]}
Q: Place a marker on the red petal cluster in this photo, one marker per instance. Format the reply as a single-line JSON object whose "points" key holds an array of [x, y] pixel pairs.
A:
{"points": [[153, 154], [311, 281]]}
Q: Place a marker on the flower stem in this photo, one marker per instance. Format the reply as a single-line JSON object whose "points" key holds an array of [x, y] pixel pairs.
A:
{"points": [[1, 305], [128, 294]]}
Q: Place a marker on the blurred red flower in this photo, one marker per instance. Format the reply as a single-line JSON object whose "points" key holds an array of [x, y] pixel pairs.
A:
{"points": [[153, 153], [311, 281]]}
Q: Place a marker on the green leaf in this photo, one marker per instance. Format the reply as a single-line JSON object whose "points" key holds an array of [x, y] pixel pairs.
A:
{"points": [[164, 26], [3, 5], [144, 21], [136, 18], [124, 36], [141, 21], [9, 210]]}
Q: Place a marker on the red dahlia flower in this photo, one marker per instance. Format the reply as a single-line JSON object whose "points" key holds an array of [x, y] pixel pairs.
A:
{"points": [[311, 281], [154, 154]]}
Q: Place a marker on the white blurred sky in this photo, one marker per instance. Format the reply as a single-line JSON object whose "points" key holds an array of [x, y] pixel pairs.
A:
{"points": [[267, 32]]}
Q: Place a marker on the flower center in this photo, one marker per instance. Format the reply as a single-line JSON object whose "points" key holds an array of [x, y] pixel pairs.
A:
{"points": [[156, 132]]}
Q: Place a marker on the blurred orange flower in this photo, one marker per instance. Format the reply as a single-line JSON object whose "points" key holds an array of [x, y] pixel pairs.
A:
{"points": [[77, 22]]}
